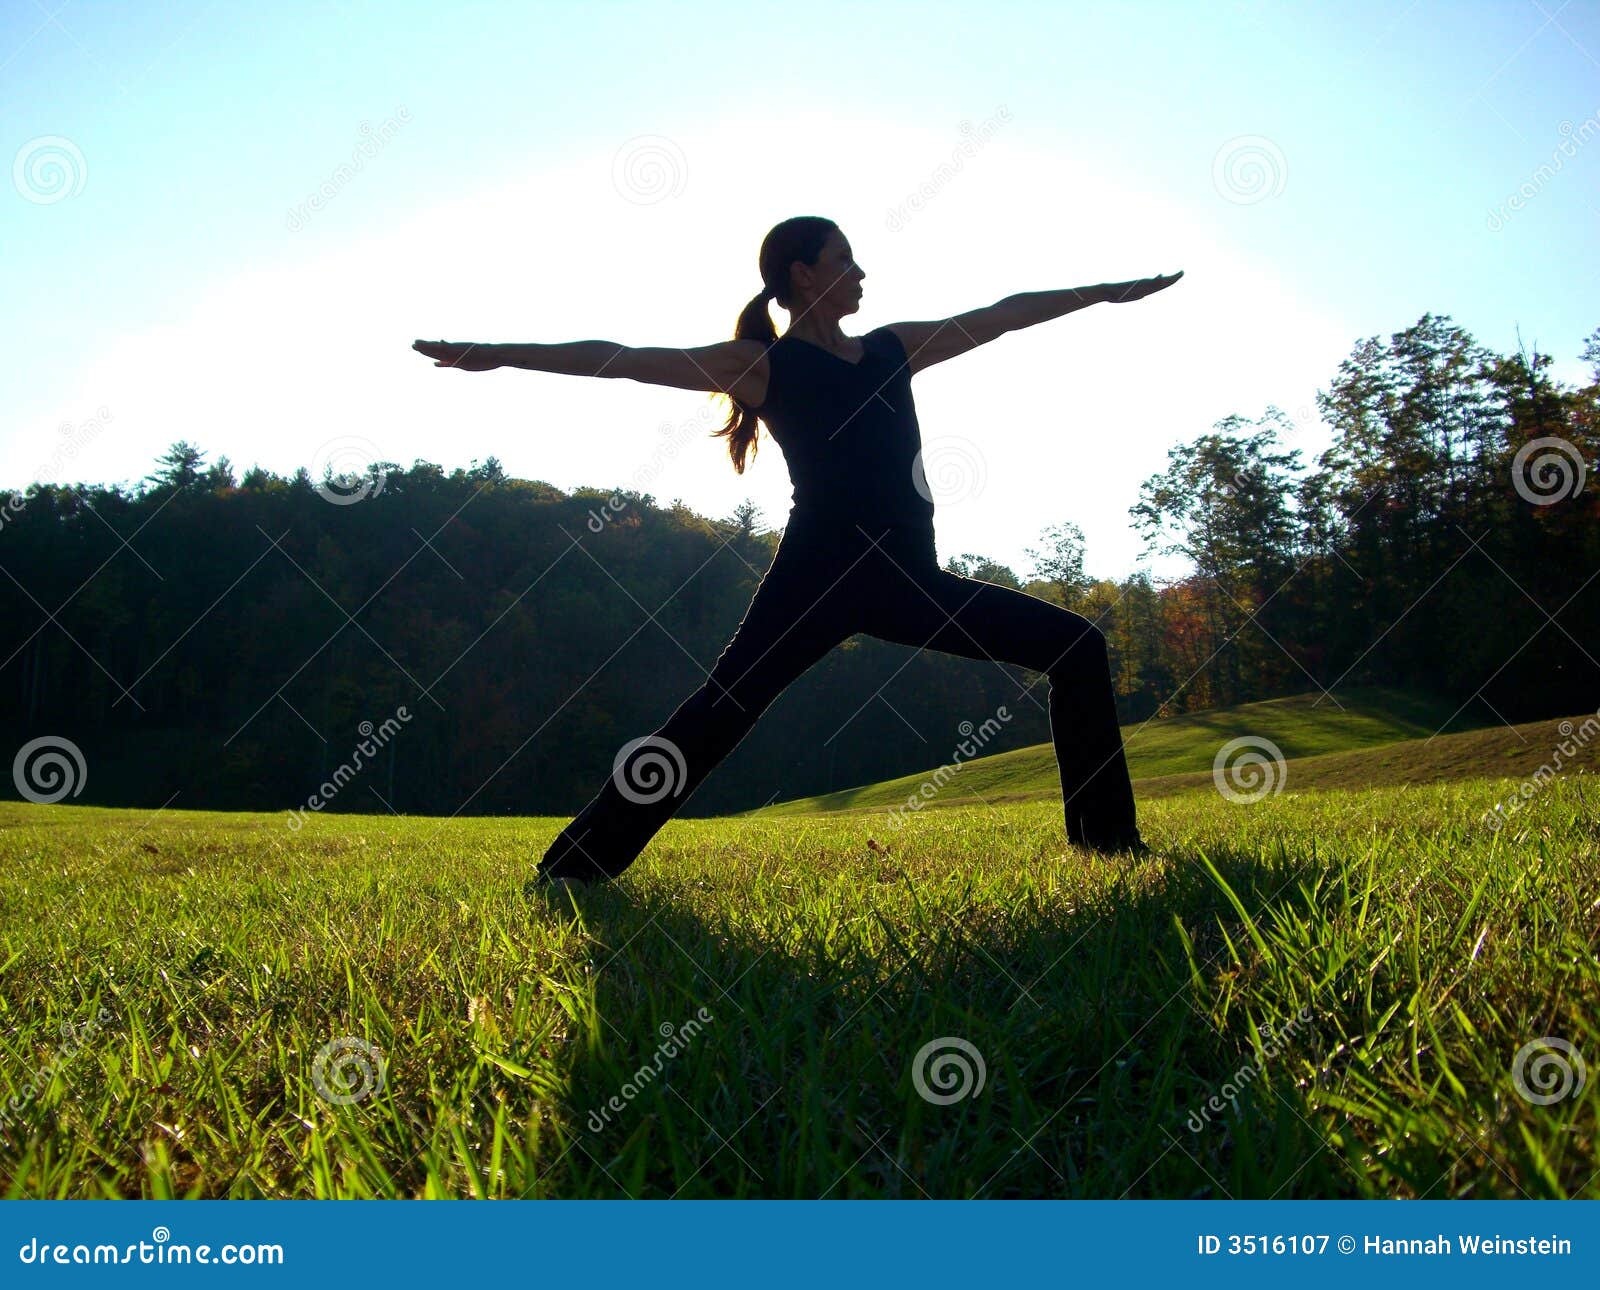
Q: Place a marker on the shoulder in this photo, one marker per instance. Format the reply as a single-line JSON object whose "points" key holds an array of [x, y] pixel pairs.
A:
{"points": [[746, 370], [744, 355], [761, 360], [897, 336]]}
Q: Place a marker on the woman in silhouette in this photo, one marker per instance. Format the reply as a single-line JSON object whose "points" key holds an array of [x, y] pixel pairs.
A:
{"points": [[857, 553]]}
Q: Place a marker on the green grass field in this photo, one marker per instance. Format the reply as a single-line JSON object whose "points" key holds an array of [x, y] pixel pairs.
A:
{"points": [[1349, 991]]}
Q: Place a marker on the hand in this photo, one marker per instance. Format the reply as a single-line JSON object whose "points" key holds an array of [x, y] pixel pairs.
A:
{"points": [[1119, 293], [469, 356]]}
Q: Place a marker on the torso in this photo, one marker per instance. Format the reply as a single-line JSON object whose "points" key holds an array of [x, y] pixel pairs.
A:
{"points": [[847, 427]]}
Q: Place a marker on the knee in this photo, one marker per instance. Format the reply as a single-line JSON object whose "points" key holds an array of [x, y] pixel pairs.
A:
{"points": [[718, 707], [738, 698]]}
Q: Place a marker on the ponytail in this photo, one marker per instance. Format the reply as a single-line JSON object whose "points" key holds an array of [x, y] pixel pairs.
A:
{"points": [[755, 323]]}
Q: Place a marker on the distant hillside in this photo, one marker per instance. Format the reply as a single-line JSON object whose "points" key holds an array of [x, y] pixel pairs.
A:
{"points": [[1170, 753], [1492, 752]]}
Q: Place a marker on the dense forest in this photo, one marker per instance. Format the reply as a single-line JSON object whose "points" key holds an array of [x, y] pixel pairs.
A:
{"points": [[473, 643]]}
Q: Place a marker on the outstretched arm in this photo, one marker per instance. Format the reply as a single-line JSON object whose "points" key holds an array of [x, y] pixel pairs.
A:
{"points": [[730, 366], [927, 343]]}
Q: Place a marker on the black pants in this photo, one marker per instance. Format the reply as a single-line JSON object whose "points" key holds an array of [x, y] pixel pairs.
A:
{"points": [[827, 582]]}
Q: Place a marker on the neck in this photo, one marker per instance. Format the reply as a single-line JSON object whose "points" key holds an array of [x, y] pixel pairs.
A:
{"points": [[819, 328], [826, 335]]}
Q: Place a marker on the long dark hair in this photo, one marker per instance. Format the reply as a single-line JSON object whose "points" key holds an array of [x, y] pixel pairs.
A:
{"points": [[801, 238]]}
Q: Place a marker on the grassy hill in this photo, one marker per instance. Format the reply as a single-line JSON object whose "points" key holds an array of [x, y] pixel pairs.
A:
{"points": [[1163, 752], [1494, 752]]}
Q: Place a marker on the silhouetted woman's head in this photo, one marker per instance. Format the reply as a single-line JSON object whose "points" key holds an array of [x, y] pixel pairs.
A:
{"points": [[806, 266]]}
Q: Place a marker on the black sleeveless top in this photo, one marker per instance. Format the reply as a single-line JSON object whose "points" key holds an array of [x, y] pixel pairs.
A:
{"points": [[848, 431]]}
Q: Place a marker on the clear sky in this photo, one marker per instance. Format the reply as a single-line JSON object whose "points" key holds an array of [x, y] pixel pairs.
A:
{"points": [[546, 172]]}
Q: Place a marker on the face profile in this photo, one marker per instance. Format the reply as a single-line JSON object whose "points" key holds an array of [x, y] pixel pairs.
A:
{"points": [[833, 283]]}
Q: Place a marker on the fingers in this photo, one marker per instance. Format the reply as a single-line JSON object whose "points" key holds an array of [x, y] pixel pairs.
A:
{"points": [[444, 353]]}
